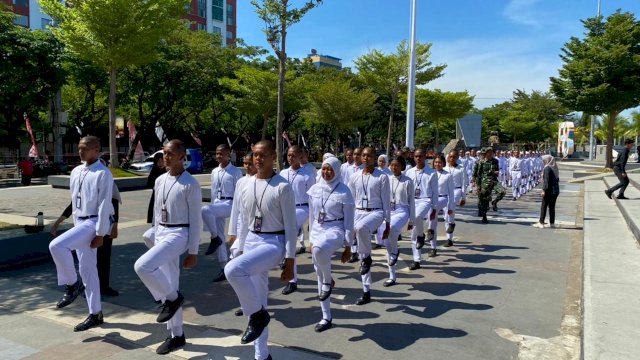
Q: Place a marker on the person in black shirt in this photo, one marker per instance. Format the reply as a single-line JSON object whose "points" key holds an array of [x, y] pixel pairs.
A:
{"points": [[550, 191], [619, 169], [157, 170]]}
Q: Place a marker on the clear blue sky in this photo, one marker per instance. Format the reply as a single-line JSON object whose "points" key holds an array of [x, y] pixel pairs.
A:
{"points": [[491, 47]]}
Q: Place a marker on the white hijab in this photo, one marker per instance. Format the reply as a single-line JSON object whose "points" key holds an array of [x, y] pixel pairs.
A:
{"points": [[339, 191]]}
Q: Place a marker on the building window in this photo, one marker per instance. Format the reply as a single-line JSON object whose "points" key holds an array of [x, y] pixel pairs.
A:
{"points": [[217, 30], [202, 8], [21, 20], [229, 8], [45, 23], [217, 10], [23, 3], [229, 20], [188, 8], [201, 26], [229, 35]]}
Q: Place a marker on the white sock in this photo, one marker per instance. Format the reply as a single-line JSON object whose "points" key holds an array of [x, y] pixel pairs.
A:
{"points": [[392, 272], [172, 296]]}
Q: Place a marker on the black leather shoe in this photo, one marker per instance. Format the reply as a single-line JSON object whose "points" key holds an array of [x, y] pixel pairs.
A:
{"points": [[238, 312], [394, 258], [221, 276], [324, 295], [109, 292], [415, 266], [354, 258], [257, 322], [268, 357], [71, 292], [365, 265], [622, 197], [420, 241], [389, 282], [320, 327], [290, 288], [364, 299], [169, 308], [449, 243], [450, 228], [430, 234], [494, 206], [377, 246], [484, 219], [213, 245], [433, 253], [606, 192], [171, 344], [301, 250], [92, 320]]}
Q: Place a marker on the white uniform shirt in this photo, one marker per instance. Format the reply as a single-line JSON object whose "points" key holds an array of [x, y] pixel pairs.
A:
{"points": [[301, 181], [91, 192], [182, 197], [223, 181], [234, 219], [446, 188], [351, 170], [515, 164], [460, 178], [333, 210], [427, 182], [372, 191], [402, 193], [275, 201], [344, 172], [312, 169], [524, 166]]}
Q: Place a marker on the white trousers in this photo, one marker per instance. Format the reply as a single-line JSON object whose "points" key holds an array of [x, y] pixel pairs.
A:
{"points": [[423, 211], [399, 219], [327, 239], [213, 220], [443, 204], [515, 183], [159, 268], [365, 223], [302, 217], [248, 274], [79, 238]]}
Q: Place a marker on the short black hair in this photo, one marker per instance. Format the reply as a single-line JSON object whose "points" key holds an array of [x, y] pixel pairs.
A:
{"points": [[92, 141], [401, 161], [224, 147], [629, 141], [267, 144], [179, 145]]}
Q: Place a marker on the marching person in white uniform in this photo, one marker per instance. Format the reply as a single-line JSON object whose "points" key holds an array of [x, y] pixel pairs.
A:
{"points": [[469, 164], [460, 183], [91, 186], [355, 168], [177, 223], [301, 180], [267, 205], [344, 168], [426, 198], [332, 209], [515, 169], [383, 165], [403, 212], [223, 186], [446, 202], [371, 191]]}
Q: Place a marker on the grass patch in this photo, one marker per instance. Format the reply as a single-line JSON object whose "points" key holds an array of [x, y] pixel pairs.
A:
{"points": [[7, 226], [121, 173]]}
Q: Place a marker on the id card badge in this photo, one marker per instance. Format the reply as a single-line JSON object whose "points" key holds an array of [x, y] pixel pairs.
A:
{"points": [[393, 205], [365, 203], [321, 216], [78, 202], [164, 214], [257, 224], [219, 194], [417, 192]]}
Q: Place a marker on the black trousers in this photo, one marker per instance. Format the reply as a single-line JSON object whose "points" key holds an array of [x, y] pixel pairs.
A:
{"points": [[622, 185], [548, 201], [104, 262]]}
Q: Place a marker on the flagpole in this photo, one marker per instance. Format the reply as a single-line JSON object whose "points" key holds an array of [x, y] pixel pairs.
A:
{"points": [[593, 120], [411, 96]]}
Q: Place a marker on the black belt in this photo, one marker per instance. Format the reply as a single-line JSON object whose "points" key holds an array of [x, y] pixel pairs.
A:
{"points": [[305, 204], [368, 209], [281, 232], [226, 198], [174, 225], [328, 221], [458, 187], [87, 217], [443, 195]]}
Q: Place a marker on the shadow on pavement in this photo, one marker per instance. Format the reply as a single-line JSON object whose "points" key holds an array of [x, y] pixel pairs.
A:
{"points": [[394, 336]]}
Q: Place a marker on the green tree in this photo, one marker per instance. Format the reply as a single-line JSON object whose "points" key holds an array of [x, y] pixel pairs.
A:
{"points": [[387, 75], [278, 16], [601, 73], [337, 105], [114, 34], [439, 107]]}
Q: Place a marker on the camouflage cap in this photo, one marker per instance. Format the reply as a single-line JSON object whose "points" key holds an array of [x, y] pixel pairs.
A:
{"points": [[482, 151]]}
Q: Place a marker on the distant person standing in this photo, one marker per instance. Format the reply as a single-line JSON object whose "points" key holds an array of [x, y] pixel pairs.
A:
{"points": [[619, 168], [156, 170], [26, 170], [550, 191]]}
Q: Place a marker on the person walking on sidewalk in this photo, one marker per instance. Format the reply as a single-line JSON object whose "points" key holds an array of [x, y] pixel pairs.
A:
{"points": [[91, 186], [26, 170], [177, 224], [619, 168], [267, 204], [550, 191]]}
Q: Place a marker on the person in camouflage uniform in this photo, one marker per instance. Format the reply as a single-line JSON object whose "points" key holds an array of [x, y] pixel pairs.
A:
{"points": [[486, 177]]}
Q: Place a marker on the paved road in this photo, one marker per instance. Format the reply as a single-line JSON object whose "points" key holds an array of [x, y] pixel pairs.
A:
{"points": [[505, 290]]}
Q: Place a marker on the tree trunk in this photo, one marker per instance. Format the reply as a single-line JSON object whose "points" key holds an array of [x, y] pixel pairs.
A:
{"points": [[337, 141], [265, 124], [113, 149], [610, 135], [282, 56], [391, 114]]}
